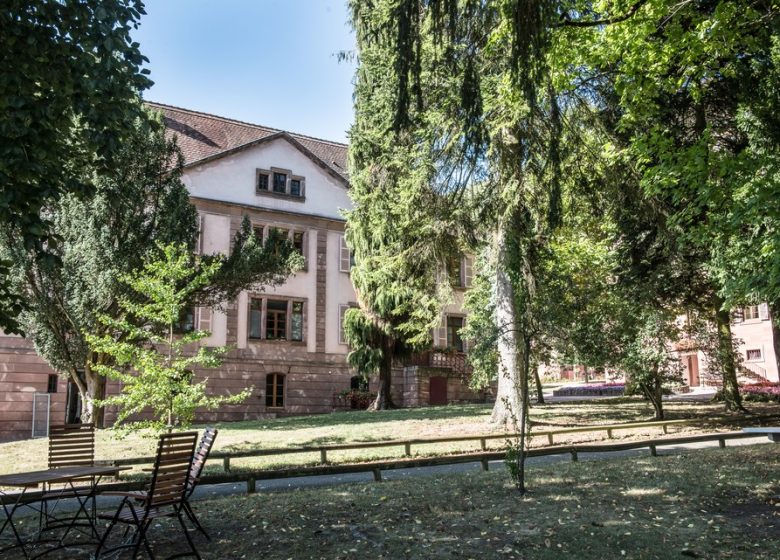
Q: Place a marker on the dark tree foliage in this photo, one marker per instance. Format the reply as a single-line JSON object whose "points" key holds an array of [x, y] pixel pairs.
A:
{"points": [[70, 78]]}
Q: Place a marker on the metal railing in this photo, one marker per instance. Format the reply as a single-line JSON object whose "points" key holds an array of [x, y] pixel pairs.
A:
{"points": [[754, 370]]}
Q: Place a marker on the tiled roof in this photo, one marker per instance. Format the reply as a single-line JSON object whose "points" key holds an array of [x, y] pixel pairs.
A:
{"points": [[202, 136]]}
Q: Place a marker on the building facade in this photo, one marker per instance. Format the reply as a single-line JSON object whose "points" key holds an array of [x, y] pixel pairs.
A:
{"points": [[286, 341], [752, 330]]}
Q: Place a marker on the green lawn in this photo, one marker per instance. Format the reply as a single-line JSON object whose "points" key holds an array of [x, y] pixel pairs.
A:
{"points": [[356, 426], [704, 504]]}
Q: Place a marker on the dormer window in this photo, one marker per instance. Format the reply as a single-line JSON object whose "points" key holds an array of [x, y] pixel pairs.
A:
{"points": [[262, 180], [280, 182], [295, 187]]}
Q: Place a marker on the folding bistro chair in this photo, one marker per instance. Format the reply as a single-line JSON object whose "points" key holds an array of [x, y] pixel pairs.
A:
{"points": [[70, 445], [199, 461], [165, 498]]}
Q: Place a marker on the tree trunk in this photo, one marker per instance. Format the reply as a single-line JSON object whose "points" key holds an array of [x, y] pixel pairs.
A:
{"points": [[95, 390], [731, 396], [507, 405], [523, 420], [774, 315], [384, 399], [538, 383], [658, 399]]}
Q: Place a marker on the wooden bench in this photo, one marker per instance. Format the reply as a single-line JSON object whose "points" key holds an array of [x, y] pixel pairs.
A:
{"points": [[772, 433]]}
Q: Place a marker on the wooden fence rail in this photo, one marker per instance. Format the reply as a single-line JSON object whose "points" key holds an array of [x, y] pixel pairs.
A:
{"points": [[251, 476], [323, 450]]}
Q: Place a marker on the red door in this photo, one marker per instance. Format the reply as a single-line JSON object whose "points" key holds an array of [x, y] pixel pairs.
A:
{"points": [[438, 390], [692, 363]]}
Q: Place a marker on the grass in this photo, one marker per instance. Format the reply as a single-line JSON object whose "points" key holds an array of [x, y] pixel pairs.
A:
{"points": [[711, 504], [357, 426]]}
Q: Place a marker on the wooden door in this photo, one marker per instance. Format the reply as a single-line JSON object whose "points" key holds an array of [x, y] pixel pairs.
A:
{"points": [[692, 364], [438, 390]]}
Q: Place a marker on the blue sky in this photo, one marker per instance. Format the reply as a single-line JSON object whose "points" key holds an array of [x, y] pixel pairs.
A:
{"points": [[270, 62]]}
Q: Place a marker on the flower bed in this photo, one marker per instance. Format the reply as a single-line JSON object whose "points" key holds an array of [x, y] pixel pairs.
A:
{"points": [[766, 391], [591, 390]]}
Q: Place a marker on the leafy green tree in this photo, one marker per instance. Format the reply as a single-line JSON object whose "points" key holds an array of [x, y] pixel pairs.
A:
{"points": [[689, 100], [153, 362], [648, 360], [107, 235], [70, 77]]}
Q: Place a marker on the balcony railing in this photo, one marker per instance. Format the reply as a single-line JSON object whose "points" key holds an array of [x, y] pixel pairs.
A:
{"points": [[455, 361]]}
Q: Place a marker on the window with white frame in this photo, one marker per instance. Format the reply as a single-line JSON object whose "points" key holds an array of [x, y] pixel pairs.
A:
{"points": [[342, 312], [460, 271], [346, 257], [754, 355], [273, 318], [750, 312]]}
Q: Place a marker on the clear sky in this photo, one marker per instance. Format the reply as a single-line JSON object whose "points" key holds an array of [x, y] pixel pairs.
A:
{"points": [[269, 62]]}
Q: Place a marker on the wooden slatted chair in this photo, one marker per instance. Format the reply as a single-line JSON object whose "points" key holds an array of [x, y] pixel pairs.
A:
{"points": [[70, 445], [198, 462], [201, 455], [165, 498]]}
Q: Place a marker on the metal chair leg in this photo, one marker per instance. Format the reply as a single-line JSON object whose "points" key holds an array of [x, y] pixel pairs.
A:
{"points": [[187, 534], [194, 520], [110, 528]]}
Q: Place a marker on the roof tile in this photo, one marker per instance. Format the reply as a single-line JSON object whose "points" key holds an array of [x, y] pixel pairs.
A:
{"points": [[204, 136]]}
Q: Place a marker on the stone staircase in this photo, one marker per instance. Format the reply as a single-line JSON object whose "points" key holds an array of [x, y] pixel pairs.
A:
{"points": [[751, 373]]}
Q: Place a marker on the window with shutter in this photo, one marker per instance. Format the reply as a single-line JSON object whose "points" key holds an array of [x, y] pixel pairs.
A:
{"points": [[454, 341], [750, 312], [441, 333], [346, 258], [342, 313], [468, 271], [763, 312], [204, 319]]}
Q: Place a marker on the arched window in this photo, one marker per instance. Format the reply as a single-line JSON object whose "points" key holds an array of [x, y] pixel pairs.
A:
{"points": [[274, 390]]}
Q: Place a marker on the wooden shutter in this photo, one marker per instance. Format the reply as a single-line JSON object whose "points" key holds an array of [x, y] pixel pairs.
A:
{"points": [[441, 333], [763, 312], [204, 319], [468, 271], [344, 255], [199, 245]]}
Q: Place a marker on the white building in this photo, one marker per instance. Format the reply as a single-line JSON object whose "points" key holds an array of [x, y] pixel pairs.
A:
{"points": [[287, 342]]}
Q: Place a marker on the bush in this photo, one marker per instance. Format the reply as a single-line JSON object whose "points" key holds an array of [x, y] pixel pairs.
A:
{"points": [[761, 392], [600, 389], [357, 399]]}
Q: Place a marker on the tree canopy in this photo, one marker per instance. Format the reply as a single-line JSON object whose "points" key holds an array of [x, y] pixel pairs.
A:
{"points": [[70, 78]]}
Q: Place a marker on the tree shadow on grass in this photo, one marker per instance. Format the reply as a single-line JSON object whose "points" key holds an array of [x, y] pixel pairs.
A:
{"points": [[358, 417]]}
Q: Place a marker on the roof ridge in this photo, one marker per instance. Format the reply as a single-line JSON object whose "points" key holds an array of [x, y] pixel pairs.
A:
{"points": [[244, 123]]}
